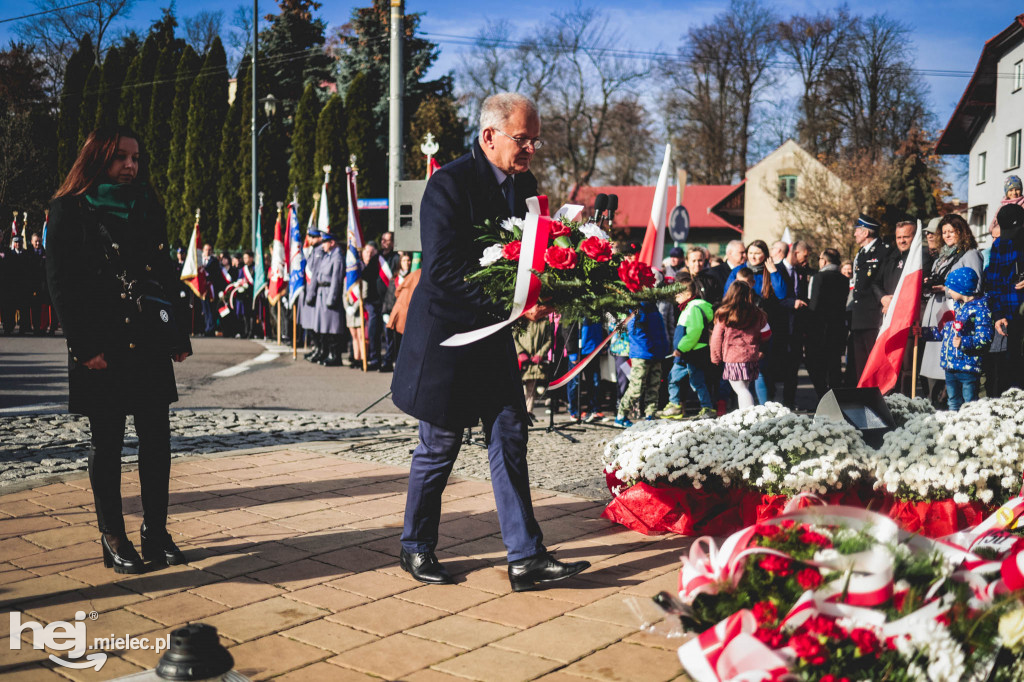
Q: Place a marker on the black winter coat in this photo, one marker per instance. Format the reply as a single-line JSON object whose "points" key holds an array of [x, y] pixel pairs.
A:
{"points": [[96, 313], [453, 387]]}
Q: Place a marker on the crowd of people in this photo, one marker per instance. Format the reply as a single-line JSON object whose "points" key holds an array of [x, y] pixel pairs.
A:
{"points": [[742, 326], [24, 295]]}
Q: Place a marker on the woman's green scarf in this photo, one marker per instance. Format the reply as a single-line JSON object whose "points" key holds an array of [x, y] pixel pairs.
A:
{"points": [[116, 199]]}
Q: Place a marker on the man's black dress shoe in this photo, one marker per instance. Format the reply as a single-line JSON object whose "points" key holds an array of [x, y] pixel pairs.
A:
{"points": [[160, 549], [543, 568], [425, 567]]}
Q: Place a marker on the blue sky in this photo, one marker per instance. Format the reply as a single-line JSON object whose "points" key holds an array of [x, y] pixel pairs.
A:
{"points": [[947, 35]]}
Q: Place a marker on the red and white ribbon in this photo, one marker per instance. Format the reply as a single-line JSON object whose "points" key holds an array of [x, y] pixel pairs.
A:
{"points": [[581, 365], [729, 651], [536, 229]]}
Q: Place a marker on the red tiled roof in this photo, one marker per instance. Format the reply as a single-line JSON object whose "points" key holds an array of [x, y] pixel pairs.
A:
{"points": [[635, 204], [975, 105]]}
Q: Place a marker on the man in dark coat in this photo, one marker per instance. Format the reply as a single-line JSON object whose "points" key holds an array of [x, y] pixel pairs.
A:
{"points": [[827, 292], [451, 388], [866, 308], [21, 275]]}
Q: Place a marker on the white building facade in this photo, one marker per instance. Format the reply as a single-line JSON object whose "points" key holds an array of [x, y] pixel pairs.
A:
{"points": [[988, 124]]}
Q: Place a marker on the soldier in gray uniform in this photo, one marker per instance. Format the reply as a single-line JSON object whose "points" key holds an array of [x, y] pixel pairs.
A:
{"points": [[330, 290], [307, 307]]}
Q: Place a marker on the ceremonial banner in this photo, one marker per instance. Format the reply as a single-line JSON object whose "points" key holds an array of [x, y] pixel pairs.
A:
{"points": [[296, 258], [353, 257], [278, 263], [883, 365], [260, 276], [192, 272], [653, 249]]}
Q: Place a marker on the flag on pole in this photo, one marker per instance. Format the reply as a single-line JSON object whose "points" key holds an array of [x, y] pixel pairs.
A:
{"points": [[259, 267], [883, 365], [323, 222], [432, 165], [385, 271], [192, 272], [296, 257], [787, 237], [353, 259], [653, 249], [278, 263], [46, 221], [24, 230]]}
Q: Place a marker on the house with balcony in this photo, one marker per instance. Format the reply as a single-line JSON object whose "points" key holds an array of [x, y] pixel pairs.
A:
{"points": [[987, 124]]}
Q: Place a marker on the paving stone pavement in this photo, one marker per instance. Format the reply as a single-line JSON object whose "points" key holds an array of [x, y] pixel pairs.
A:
{"points": [[293, 557], [36, 448]]}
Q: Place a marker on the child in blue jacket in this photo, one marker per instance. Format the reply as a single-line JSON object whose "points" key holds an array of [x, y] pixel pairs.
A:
{"points": [[965, 339], [648, 346]]}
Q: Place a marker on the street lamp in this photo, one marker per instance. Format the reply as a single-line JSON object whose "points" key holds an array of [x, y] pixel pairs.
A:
{"points": [[270, 109]]}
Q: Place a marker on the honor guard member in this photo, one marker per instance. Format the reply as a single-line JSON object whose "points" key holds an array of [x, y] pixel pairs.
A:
{"points": [[330, 290], [307, 309], [866, 307]]}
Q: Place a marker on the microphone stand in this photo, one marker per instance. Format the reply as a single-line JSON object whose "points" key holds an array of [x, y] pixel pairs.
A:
{"points": [[560, 429]]}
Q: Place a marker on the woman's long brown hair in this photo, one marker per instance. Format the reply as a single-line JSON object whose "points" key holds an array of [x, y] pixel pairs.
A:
{"points": [[738, 309], [965, 240], [97, 154], [767, 292]]}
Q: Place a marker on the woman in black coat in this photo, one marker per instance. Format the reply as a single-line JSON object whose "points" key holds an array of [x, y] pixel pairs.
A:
{"points": [[116, 293]]}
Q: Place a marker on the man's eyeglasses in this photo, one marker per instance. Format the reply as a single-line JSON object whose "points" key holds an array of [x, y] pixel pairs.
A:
{"points": [[523, 142]]}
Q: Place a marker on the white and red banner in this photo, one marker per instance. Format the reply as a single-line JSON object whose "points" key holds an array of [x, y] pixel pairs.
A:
{"points": [[536, 230], [653, 248], [323, 221], [886, 358], [385, 271], [354, 247], [278, 285], [432, 165], [192, 272]]}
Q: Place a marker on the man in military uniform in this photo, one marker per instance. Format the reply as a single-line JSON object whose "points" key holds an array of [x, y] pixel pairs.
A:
{"points": [[307, 307], [330, 290], [38, 296], [866, 307]]}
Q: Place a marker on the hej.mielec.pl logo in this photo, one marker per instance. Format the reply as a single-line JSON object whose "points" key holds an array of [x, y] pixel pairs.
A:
{"points": [[58, 636]]}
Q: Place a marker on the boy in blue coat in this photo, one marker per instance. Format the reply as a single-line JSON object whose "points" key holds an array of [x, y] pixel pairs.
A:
{"points": [[648, 346], [965, 339]]}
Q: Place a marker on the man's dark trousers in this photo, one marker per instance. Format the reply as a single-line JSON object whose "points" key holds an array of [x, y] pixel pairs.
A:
{"points": [[432, 462], [374, 331]]}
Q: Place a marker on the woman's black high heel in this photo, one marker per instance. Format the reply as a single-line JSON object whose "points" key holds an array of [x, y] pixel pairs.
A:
{"points": [[160, 548], [125, 559]]}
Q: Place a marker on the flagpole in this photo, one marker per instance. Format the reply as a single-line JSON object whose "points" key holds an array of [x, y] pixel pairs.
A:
{"points": [[362, 332], [295, 331]]}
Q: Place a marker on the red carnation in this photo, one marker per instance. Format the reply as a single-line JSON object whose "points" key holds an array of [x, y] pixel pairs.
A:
{"points": [[898, 599], [809, 578], [808, 648], [765, 612], [788, 524], [596, 248], [636, 275], [772, 637], [811, 537], [776, 564], [558, 229], [823, 627], [766, 530], [560, 258], [866, 640], [512, 250], [832, 678]]}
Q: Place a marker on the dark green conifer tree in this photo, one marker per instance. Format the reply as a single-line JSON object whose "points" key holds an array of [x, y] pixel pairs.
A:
{"points": [[293, 49], [138, 86], [75, 75], [90, 98], [232, 214], [111, 81], [361, 138], [179, 213], [208, 105], [332, 149], [161, 108], [302, 174]]}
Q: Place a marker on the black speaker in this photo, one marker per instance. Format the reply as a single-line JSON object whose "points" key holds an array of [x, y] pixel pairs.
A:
{"points": [[864, 408]]}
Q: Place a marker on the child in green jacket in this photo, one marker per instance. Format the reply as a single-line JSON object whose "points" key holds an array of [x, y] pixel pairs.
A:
{"points": [[692, 356]]}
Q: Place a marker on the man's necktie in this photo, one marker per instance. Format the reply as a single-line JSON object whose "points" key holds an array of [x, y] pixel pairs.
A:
{"points": [[508, 189]]}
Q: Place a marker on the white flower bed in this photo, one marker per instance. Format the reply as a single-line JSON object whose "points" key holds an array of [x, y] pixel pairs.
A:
{"points": [[974, 454]]}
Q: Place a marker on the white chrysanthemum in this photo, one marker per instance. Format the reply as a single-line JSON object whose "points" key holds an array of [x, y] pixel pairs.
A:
{"points": [[492, 254]]}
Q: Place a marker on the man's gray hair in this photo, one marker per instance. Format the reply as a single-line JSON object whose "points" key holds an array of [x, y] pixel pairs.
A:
{"points": [[498, 108], [733, 246]]}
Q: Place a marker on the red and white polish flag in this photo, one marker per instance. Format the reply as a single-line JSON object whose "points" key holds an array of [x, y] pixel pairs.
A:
{"points": [[886, 358]]}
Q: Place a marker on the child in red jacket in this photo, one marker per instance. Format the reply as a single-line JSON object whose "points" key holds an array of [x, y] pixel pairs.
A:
{"points": [[740, 327]]}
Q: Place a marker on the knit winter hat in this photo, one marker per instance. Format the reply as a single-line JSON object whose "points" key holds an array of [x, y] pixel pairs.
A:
{"points": [[963, 281], [1013, 182]]}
